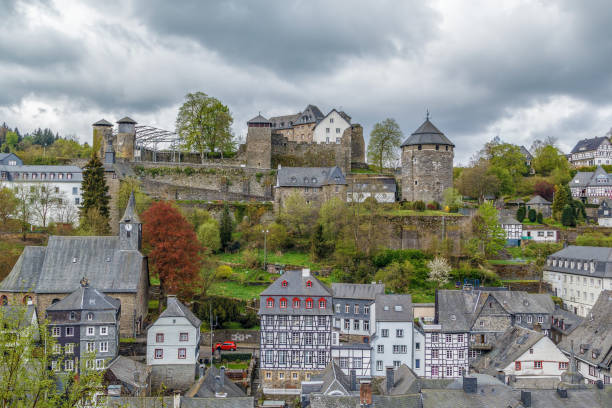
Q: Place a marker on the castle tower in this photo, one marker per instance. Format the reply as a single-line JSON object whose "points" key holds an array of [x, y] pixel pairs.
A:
{"points": [[102, 132], [259, 143], [427, 164], [130, 228], [126, 138], [109, 154]]}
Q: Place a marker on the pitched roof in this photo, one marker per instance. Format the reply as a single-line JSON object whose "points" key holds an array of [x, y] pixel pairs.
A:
{"points": [[311, 114], [130, 215], [525, 152], [309, 176], [177, 309], [357, 290], [77, 172], [127, 119], [124, 368], [103, 122], [258, 119], [333, 380], [284, 122], [394, 308], [456, 309], [588, 144], [405, 381], [185, 402], [86, 298], [515, 342], [296, 286], [427, 133], [59, 267], [508, 220], [570, 320], [595, 332], [538, 199], [211, 385], [25, 314], [518, 302], [601, 256]]}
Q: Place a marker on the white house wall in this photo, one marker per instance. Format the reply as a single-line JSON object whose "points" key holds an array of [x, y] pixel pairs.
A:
{"points": [[578, 292], [545, 352], [171, 327], [330, 129], [388, 357]]}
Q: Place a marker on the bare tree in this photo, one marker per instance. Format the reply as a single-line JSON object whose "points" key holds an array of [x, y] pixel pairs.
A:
{"points": [[24, 207], [65, 211], [45, 198]]}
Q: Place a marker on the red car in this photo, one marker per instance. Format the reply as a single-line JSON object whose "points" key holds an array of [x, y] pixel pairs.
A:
{"points": [[226, 345]]}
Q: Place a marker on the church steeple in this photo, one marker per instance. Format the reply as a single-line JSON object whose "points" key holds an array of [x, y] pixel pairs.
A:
{"points": [[130, 227]]}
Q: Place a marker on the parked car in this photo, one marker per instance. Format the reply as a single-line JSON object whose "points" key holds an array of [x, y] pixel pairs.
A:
{"points": [[226, 345]]}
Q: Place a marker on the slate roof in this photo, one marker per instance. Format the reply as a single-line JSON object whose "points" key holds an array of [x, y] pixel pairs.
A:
{"points": [[59, 267], [296, 286], [456, 309], [124, 368], [309, 176], [591, 397], [520, 302], [508, 220], [571, 320], [168, 402], [357, 290], [586, 145], [405, 382], [538, 200], [378, 401], [515, 342], [131, 215], [589, 178], [427, 133], [210, 385], [77, 173], [5, 156], [103, 122], [311, 114], [386, 308], [25, 314], [175, 308], [332, 379], [127, 119], [373, 184], [601, 256], [284, 122], [258, 119], [595, 332], [525, 152], [86, 298]]}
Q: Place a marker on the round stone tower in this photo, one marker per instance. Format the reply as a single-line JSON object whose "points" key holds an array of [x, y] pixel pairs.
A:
{"points": [[102, 131], [259, 143], [126, 138], [427, 164]]}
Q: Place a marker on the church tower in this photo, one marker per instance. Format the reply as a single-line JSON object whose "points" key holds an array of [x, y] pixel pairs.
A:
{"points": [[130, 228], [427, 164]]}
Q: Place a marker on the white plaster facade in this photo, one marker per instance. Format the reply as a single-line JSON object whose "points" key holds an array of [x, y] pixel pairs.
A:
{"points": [[331, 128], [542, 360], [173, 341], [392, 346], [419, 352], [540, 234]]}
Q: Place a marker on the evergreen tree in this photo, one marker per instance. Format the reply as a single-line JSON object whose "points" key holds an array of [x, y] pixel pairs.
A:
{"points": [[540, 218], [562, 198], [520, 213], [532, 215], [567, 217], [94, 188], [226, 227]]}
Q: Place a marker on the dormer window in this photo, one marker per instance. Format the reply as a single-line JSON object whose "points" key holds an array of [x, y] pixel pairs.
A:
{"points": [[270, 303], [314, 180], [296, 303], [309, 284], [305, 180], [284, 284], [322, 303], [72, 315], [309, 303], [398, 308]]}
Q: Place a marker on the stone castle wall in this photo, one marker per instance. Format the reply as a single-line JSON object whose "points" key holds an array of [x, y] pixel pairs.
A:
{"points": [[426, 173]]}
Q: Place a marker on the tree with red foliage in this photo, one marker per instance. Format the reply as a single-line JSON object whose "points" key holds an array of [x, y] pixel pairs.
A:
{"points": [[175, 251], [545, 190]]}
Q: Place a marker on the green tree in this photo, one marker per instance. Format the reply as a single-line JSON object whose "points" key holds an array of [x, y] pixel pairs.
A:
{"points": [[563, 197], [396, 276], [452, 198], [532, 215], [204, 124], [520, 213], [209, 236], [321, 248], [568, 218], [478, 181], [226, 227], [489, 236], [8, 204], [507, 163], [297, 215], [129, 184], [94, 188], [11, 139], [24, 208], [540, 218], [385, 140], [547, 158]]}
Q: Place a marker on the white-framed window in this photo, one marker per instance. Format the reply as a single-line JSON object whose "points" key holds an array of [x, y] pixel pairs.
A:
{"points": [[366, 325], [449, 354], [57, 348], [54, 366], [69, 365], [159, 337], [281, 376], [449, 338], [321, 357], [417, 345], [529, 319], [90, 316], [99, 364], [366, 310], [347, 308], [89, 364], [103, 331], [69, 348], [347, 324], [69, 331], [56, 331], [356, 308], [384, 332], [104, 346], [540, 319], [399, 333], [182, 353], [397, 363], [356, 324], [380, 348], [379, 365], [337, 307], [90, 330], [449, 371], [91, 346]]}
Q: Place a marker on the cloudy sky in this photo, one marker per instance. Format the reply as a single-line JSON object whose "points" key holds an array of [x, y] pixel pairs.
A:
{"points": [[518, 69]]}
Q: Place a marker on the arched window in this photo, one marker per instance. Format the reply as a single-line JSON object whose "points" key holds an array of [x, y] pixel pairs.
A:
{"points": [[284, 284], [27, 300], [90, 316], [309, 303], [270, 302], [4, 300], [296, 303], [309, 284], [283, 303], [322, 303]]}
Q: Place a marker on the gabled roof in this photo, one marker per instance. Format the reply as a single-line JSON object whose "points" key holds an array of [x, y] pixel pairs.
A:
{"points": [[211, 385], [343, 115], [311, 114], [103, 122], [127, 119], [296, 286], [309, 176], [456, 309], [405, 381], [333, 380], [601, 256], [427, 133], [4, 156], [508, 220], [124, 368], [519, 302], [86, 298], [284, 122], [586, 145], [258, 119], [25, 314], [538, 200], [357, 290], [131, 215], [176, 309], [515, 342], [595, 332], [394, 308], [525, 152]]}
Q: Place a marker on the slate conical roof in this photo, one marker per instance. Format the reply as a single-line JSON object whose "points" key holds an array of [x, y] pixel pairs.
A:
{"points": [[127, 119], [427, 133], [259, 119], [130, 214], [103, 122]]}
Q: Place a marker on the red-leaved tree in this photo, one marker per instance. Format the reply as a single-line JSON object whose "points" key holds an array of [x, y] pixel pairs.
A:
{"points": [[175, 251], [544, 189]]}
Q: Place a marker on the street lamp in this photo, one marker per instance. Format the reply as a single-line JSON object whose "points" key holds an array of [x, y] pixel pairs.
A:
{"points": [[265, 232]]}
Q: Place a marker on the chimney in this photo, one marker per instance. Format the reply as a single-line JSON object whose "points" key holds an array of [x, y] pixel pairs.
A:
{"points": [[365, 394], [222, 375], [470, 385], [353, 380], [305, 272], [177, 400], [526, 398], [390, 378]]}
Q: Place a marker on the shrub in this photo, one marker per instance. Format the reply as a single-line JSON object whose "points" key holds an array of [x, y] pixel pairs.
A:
{"points": [[208, 235], [453, 209], [418, 205], [433, 205], [223, 272], [532, 215], [567, 217], [407, 205], [540, 218], [250, 258], [520, 213]]}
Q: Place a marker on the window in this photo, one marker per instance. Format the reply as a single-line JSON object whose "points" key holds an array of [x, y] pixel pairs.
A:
{"points": [[268, 375], [356, 324], [90, 331], [384, 332], [417, 363], [529, 319], [308, 303], [344, 362], [537, 364], [460, 338], [517, 366], [159, 338], [531, 351], [380, 348], [269, 357], [308, 357], [399, 333], [99, 364], [69, 348], [326, 130], [182, 353], [308, 338], [321, 357], [322, 303], [69, 331], [69, 365], [104, 347], [309, 284], [434, 371], [284, 284], [460, 354], [356, 309], [366, 325], [283, 303], [89, 364], [270, 303], [417, 346], [57, 348], [103, 331], [295, 357], [72, 315], [308, 320], [159, 354], [75, 190], [184, 337], [321, 338], [54, 366], [396, 349], [434, 337], [540, 319], [347, 308], [518, 319], [296, 303], [91, 347], [366, 310], [435, 353], [449, 354], [562, 366], [592, 371], [379, 365], [420, 147], [56, 331], [449, 338], [347, 324]]}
